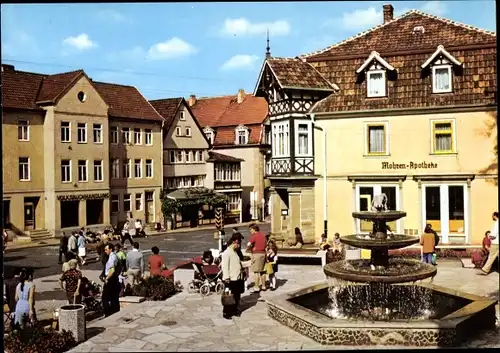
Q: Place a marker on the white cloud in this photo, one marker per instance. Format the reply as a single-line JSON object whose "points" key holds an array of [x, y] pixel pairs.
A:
{"points": [[437, 8], [80, 42], [170, 49], [240, 61], [243, 27], [112, 15]]}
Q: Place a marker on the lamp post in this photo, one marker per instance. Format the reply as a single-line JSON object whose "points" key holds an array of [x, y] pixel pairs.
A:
{"points": [[325, 200]]}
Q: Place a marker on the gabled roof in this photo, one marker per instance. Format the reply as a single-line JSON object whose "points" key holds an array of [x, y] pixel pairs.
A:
{"points": [[167, 108], [126, 102], [20, 89], [218, 157], [440, 50], [398, 35], [54, 86], [375, 56], [295, 73]]}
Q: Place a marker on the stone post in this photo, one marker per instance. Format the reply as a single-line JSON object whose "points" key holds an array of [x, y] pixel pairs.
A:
{"points": [[82, 213], [72, 319], [293, 213], [275, 201]]}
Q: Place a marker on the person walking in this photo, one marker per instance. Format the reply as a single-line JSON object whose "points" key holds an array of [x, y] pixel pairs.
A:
{"points": [[72, 244], [232, 275], [156, 262], [72, 280], [493, 254], [427, 241], [272, 263], [25, 298], [126, 234], [257, 245], [111, 289], [121, 268], [138, 228], [82, 247], [135, 264], [63, 248]]}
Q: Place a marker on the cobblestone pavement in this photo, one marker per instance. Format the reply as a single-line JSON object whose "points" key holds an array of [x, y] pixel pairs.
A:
{"points": [[188, 322]]}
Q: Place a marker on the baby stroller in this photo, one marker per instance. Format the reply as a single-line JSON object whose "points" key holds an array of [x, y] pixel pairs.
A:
{"points": [[207, 278], [91, 295]]}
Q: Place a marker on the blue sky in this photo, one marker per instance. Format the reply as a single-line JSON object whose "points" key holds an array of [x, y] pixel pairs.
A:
{"points": [[178, 49]]}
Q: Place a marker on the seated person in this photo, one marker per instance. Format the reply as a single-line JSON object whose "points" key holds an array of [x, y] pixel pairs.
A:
{"points": [[323, 245], [299, 240], [208, 258], [337, 245]]}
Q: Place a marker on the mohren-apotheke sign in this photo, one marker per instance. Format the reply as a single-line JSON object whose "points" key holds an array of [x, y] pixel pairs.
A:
{"points": [[410, 165]]}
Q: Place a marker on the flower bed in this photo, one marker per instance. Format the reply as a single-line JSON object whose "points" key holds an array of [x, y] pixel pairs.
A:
{"points": [[154, 288], [414, 253], [39, 340]]}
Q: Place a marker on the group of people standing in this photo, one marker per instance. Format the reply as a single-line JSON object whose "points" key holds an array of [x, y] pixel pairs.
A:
{"points": [[73, 247], [20, 295]]}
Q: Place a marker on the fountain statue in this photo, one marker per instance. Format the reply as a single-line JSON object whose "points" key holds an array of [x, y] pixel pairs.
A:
{"points": [[382, 300]]}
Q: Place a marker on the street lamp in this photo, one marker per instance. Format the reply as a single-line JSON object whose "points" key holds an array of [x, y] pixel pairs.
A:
{"points": [[325, 202]]}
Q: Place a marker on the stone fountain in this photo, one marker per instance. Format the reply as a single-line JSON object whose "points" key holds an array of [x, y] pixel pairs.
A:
{"points": [[383, 300]]}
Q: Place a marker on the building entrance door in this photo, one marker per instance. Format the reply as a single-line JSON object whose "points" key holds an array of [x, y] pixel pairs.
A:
{"points": [[150, 207], [29, 216]]}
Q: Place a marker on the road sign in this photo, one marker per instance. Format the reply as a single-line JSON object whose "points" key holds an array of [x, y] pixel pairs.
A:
{"points": [[219, 218]]}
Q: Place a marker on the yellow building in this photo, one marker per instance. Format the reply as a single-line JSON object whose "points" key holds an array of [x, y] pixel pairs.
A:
{"points": [[60, 143], [408, 109]]}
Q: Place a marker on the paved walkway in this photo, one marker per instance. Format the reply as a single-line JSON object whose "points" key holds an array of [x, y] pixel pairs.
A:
{"points": [[188, 322]]}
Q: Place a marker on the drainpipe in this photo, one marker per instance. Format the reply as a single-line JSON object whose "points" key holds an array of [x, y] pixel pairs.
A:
{"points": [[325, 201]]}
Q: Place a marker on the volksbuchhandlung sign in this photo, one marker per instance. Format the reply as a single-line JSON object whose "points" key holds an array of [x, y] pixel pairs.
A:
{"points": [[410, 165]]}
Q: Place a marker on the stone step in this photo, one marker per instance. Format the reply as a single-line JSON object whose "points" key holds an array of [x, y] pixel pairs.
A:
{"points": [[40, 234]]}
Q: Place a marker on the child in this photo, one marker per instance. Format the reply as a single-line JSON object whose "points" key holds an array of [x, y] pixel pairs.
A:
{"points": [[272, 263], [323, 245]]}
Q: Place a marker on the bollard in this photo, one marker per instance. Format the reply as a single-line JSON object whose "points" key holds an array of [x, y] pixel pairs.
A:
{"points": [[72, 318]]}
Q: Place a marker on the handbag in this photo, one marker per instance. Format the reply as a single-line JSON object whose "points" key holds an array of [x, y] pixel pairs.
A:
{"points": [[227, 298], [269, 268]]}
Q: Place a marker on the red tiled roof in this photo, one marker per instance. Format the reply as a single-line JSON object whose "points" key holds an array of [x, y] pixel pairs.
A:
{"points": [[20, 89], [167, 108], [226, 135], [397, 35], [218, 157], [295, 73], [53, 86]]}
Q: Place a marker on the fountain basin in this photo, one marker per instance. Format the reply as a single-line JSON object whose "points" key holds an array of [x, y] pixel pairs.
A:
{"points": [[398, 271], [395, 241], [460, 316], [387, 216]]}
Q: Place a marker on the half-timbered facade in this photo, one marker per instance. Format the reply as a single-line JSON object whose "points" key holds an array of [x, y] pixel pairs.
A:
{"points": [[414, 117]]}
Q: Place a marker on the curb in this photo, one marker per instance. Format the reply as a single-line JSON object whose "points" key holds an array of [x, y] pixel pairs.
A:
{"points": [[14, 248]]}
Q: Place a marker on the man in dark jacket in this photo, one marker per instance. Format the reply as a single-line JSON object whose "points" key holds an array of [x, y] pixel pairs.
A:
{"points": [[63, 248], [102, 254]]}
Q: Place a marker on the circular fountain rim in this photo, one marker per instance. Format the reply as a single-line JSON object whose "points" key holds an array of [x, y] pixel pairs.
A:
{"points": [[378, 243], [379, 215], [332, 270]]}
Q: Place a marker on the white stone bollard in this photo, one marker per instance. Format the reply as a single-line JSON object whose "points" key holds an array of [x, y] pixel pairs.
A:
{"points": [[72, 319]]}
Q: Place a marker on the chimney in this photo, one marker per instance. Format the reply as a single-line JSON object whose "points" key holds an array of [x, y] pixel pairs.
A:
{"points": [[6, 67], [192, 100], [241, 96], [388, 13]]}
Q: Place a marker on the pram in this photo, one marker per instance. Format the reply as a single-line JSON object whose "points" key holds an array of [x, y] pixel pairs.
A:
{"points": [[91, 295], [207, 278]]}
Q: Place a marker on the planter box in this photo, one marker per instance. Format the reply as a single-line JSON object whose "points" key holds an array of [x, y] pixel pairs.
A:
{"points": [[184, 276]]}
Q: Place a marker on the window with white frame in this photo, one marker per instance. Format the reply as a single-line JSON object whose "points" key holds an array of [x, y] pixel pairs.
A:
{"points": [[210, 136], [137, 168], [127, 202], [201, 156], [65, 131], [115, 203], [23, 130], [98, 170], [66, 171], [188, 156], [113, 135], [441, 79], [97, 133], [24, 169], [115, 168], [281, 141], [182, 115], [199, 180], [375, 83], [148, 137], [171, 157], [303, 132], [179, 156], [149, 168], [178, 131], [82, 132], [187, 182], [126, 168], [82, 171], [137, 136], [126, 135], [188, 131], [227, 172], [376, 139], [195, 156], [138, 201], [234, 201], [241, 136]]}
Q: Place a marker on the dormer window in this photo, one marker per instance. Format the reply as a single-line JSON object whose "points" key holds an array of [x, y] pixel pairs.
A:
{"points": [[241, 135], [375, 83], [376, 69], [441, 64], [182, 116], [209, 134]]}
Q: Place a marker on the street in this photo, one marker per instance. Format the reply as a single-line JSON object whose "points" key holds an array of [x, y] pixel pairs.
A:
{"points": [[174, 247]]}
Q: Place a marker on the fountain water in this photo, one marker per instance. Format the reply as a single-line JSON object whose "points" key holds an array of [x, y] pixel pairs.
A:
{"points": [[382, 300]]}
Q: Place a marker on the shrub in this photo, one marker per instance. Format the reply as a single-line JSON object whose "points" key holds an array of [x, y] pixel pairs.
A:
{"points": [[39, 340], [154, 288], [441, 253]]}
